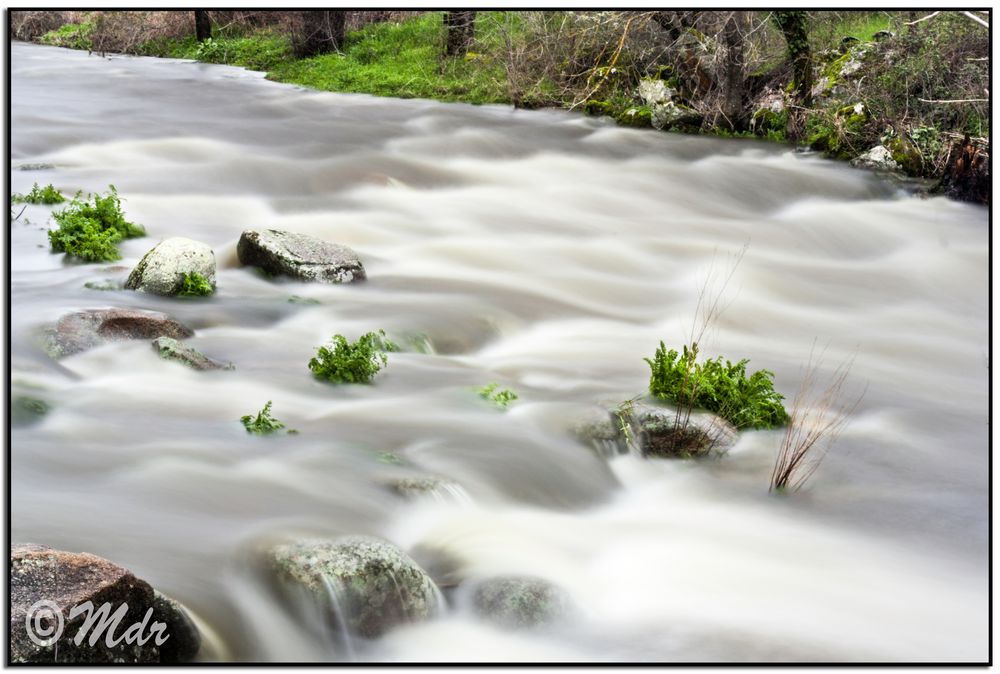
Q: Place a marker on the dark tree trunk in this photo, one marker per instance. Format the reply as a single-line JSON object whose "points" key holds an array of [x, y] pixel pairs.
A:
{"points": [[461, 31], [794, 26], [967, 173], [202, 25], [733, 76], [322, 32]]}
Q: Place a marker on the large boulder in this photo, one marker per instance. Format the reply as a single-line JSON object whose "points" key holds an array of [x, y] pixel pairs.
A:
{"points": [[46, 584], [161, 271], [519, 601], [878, 158], [82, 330], [170, 349], [300, 256], [360, 585]]}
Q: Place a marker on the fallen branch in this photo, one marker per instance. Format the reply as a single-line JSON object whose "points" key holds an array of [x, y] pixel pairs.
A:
{"points": [[956, 100], [929, 16], [976, 19]]}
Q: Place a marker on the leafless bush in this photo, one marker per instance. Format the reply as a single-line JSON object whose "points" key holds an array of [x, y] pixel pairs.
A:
{"points": [[30, 25], [818, 418], [125, 32]]}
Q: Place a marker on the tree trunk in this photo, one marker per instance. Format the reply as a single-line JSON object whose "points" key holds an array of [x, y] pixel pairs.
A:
{"points": [[461, 31], [202, 25], [733, 80], [794, 27], [322, 32]]}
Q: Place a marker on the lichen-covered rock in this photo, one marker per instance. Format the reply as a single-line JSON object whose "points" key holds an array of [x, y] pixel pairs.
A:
{"points": [[82, 330], [361, 584], [519, 601], [302, 257], [161, 271], [170, 349], [654, 91], [65, 580], [655, 431], [879, 158], [670, 115]]}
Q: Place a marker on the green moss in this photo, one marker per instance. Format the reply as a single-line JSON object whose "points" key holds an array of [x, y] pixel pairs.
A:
{"points": [[597, 108], [639, 116], [343, 362], [725, 389], [91, 230], [501, 397], [39, 195], [195, 285], [25, 410], [906, 154]]}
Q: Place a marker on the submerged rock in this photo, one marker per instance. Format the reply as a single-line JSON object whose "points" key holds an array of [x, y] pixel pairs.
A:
{"points": [[82, 330], [655, 431], [359, 583], [879, 157], [519, 601], [170, 349], [300, 256], [26, 410], [64, 580], [161, 271], [429, 486]]}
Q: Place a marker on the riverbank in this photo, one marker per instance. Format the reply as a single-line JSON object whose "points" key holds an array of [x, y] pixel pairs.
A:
{"points": [[884, 93]]}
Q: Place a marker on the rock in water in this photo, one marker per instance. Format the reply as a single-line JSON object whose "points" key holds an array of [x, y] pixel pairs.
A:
{"points": [[161, 271], [363, 584], [65, 580], [878, 158], [171, 349], [82, 330], [300, 256], [519, 601]]}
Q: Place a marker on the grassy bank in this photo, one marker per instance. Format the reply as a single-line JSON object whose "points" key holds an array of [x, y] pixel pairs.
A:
{"points": [[878, 78]]}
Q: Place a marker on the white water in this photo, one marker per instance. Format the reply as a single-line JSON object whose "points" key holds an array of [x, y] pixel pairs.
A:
{"points": [[548, 252]]}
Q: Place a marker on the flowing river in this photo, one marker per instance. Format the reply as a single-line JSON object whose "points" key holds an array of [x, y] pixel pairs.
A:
{"points": [[545, 251]]}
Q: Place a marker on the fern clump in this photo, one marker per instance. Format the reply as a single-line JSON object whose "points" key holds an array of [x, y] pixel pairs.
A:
{"points": [[92, 230], [195, 285], [501, 397], [343, 362], [263, 423], [722, 388], [39, 195]]}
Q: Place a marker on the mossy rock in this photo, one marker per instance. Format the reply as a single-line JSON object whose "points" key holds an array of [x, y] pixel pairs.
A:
{"points": [[597, 108], [362, 584], [26, 410], [518, 602], [164, 269], [906, 154], [639, 117], [169, 348]]}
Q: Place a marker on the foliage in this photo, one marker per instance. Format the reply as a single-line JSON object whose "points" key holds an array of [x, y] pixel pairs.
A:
{"points": [[746, 402], [501, 397], [343, 362], [71, 35], [195, 285], [91, 230], [39, 195], [263, 423]]}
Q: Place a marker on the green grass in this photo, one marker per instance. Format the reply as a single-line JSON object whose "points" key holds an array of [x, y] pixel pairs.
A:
{"points": [[403, 60], [39, 195], [343, 362], [501, 397], [725, 389], [92, 229], [195, 285], [71, 35]]}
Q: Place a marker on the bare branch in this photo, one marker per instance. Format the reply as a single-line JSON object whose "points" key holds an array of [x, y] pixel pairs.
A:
{"points": [[957, 100], [976, 19], [929, 16]]}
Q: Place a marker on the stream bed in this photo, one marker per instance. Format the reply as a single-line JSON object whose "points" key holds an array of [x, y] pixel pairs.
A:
{"points": [[548, 252]]}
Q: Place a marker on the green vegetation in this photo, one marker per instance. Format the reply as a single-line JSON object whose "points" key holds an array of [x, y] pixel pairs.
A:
{"points": [[401, 60], [263, 423], [343, 362], [260, 51], [71, 35], [92, 230], [195, 285], [39, 195], [746, 402], [501, 397]]}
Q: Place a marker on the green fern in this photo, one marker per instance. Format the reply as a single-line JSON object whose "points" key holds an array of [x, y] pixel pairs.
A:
{"points": [[343, 362]]}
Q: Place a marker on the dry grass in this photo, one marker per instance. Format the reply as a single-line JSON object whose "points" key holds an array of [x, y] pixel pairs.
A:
{"points": [[818, 418]]}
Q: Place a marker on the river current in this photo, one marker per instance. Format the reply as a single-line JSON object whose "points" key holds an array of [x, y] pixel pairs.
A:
{"points": [[545, 251]]}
